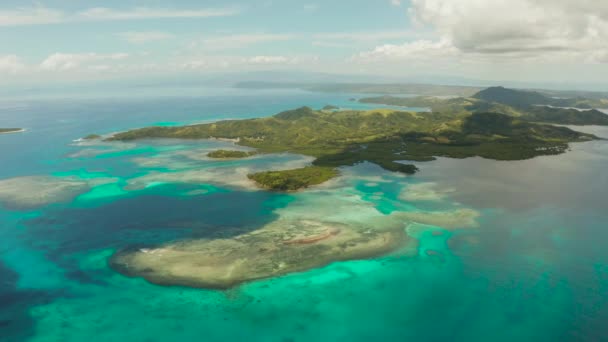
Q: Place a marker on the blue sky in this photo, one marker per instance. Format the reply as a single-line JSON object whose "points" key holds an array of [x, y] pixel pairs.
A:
{"points": [[517, 40]]}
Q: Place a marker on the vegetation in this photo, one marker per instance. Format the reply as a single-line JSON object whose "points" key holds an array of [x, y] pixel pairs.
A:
{"points": [[567, 116], [330, 107], [524, 99], [10, 130], [291, 180], [230, 154], [383, 137], [528, 106], [92, 137]]}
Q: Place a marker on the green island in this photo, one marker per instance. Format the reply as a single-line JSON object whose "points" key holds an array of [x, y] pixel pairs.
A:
{"points": [[385, 137], [526, 105], [292, 180], [10, 130], [230, 154], [92, 137]]}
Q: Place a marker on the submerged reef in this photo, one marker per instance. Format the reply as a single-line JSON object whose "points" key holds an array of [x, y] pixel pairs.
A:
{"points": [[281, 247], [36, 191], [424, 192]]}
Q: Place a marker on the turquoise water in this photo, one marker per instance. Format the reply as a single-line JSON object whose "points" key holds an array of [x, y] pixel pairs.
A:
{"points": [[533, 267]]}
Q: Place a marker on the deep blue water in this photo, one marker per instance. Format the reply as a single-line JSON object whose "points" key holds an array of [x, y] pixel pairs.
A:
{"points": [[535, 268]]}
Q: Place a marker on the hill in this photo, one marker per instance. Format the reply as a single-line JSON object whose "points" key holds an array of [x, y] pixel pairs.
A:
{"points": [[528, 106]]}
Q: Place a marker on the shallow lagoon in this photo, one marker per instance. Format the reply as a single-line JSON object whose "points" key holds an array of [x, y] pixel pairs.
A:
{"points": [[533, 267]]}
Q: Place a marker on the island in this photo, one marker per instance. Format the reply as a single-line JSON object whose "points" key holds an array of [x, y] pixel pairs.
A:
{"points": [[92, 137], [292, 180], [11, 130], [230, 154], [526, 105], [389, 138]]}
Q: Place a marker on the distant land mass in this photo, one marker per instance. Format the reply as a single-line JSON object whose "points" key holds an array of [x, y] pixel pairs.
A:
{"points": [[523, 98], [525, 105], [421, 89], [368, 88], [385, 137]]}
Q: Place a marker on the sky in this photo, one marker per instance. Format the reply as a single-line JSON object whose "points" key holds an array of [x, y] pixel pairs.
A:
{"points": [[541, 41]]}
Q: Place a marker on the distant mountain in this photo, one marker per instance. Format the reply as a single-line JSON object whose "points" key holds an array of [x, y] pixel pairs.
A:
{"points": [[525, 98], [526, 105], [512, 97]]}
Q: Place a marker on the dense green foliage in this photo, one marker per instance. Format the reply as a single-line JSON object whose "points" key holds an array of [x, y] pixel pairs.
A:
{"points": [[384, 137], [512, 97], [291, 180], [566, 116], [528, 106], [230, 154], [525, 99]]}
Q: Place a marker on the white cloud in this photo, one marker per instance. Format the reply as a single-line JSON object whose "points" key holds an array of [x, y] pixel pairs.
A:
{"points": [[41, 15], [11, 64], [30, 16], [368, 36], [420, 49], [269, 60], [66, 61], [237, 41], [516, 26], [282, 60], [102, 13], [145, 37], [506, 30], [396, 3]]}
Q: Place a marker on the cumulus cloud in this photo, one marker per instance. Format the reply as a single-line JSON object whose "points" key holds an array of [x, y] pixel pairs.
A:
{"points": [[145, 37], [419, 49], [11, 64], [42, 15], [396, 3], [67, 61], [536, 29]]}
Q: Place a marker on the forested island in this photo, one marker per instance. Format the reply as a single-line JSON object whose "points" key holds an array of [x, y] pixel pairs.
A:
{"points": [[388, 138]]}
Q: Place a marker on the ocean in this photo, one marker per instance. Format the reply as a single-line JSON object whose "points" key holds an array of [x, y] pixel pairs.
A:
{"points": [[533, 266]]}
